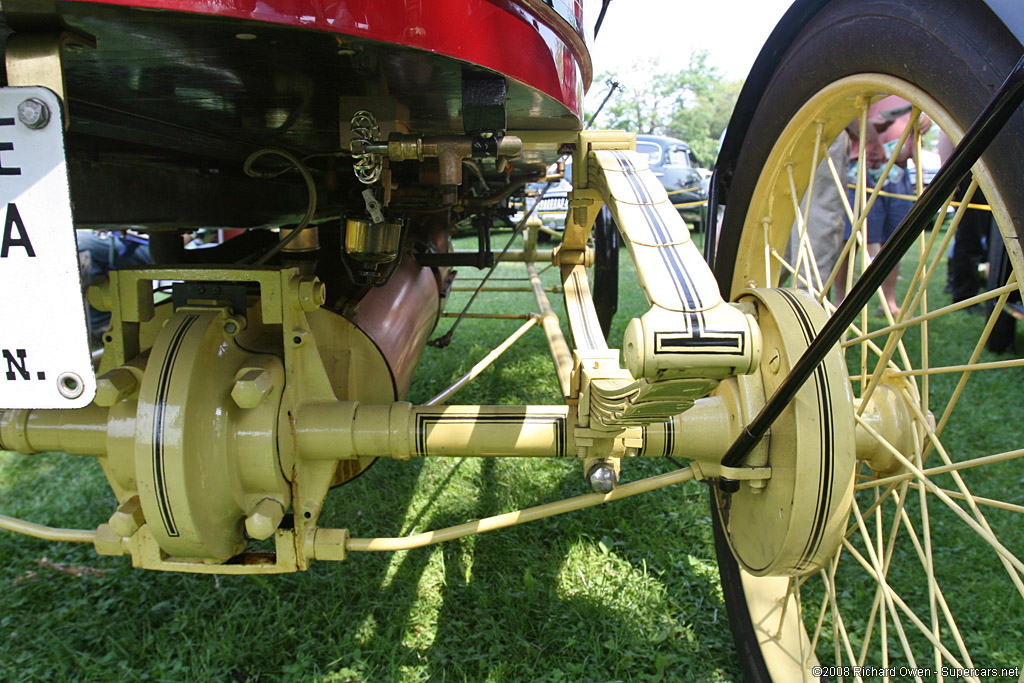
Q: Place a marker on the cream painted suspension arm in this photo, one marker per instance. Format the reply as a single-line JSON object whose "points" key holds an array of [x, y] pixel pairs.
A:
{"points": [[689, 340]]}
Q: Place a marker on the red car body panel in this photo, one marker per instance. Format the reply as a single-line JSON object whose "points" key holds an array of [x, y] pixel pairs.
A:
{"points": [[529, 50]]}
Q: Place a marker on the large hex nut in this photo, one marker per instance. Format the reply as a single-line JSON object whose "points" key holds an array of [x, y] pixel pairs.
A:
{"points": [[115, 386], [312, 294], [252, 385]]}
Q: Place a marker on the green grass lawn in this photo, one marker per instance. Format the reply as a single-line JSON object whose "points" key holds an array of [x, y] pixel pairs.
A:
{"points": [[623, 592]]}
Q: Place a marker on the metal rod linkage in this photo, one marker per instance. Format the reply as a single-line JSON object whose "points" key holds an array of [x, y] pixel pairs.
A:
{"points": [[483, 364], [560, 353], [46, 533], [519, 516]]}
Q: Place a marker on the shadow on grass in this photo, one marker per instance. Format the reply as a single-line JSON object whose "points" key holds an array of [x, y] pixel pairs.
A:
{"points": [[589, 596]]}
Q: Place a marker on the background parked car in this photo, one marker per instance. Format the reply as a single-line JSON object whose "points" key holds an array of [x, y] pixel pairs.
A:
{"points": [[680, 173]]}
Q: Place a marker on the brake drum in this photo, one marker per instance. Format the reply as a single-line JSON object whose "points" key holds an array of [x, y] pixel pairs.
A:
{"points": [[792, 524]]}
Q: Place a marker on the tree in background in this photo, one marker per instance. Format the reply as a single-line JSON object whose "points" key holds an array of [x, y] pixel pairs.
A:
{"points": [[693, 104]]}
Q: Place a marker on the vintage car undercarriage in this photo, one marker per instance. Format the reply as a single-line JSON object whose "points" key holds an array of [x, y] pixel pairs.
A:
{"points": [[342, 143]]}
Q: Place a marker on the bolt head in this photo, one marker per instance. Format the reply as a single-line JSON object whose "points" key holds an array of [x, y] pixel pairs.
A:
{"points": [[114, 386], [264, 519], [602, 479], [34, 113], [312, 294], [251, 387]]}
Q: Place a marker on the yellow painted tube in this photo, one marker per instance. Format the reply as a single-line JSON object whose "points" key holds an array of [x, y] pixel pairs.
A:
{"points": [[78, 432], [46, 533], [483, 364], [560, 353], [519, 516]]}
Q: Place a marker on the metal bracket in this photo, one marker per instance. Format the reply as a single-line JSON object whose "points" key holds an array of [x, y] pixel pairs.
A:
{"points": [[706, 470], [38, 59]]}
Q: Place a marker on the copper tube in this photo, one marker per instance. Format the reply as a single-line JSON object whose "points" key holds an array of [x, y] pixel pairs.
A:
{"points": [[400, 316]]}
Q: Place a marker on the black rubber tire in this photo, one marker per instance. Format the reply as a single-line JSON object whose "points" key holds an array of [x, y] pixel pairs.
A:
{"points": [[606, 269], [955, 50]]}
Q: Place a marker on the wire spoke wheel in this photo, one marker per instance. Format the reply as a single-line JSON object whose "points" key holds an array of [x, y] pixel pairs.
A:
{"points": [[928, 574]]}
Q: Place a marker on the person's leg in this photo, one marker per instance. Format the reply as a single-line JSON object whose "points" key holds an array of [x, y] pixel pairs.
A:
{"points": [[98, 249], [969, 251], [889, 285]]}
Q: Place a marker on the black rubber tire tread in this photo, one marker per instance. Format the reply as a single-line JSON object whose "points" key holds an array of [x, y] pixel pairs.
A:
{"points": [[955, 50]]}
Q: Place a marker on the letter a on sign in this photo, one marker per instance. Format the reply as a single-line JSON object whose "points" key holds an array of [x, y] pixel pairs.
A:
{"points": [[13, 221]]}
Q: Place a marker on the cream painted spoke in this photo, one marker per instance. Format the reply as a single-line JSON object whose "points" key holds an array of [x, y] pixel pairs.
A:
{"points": [[1011, 569], [865, 646], [978, 529], [932, 471], [825, 601], [932, 315], [929, 559], [848, 245], [948, 369], [895, 340], [766, 226], [950, 621], [803, 245], [898, 602], [990, 502], [883, 586], [838, 624], [863, 202], [922, 257], [978, 348], [878, 502], [785, 607]]}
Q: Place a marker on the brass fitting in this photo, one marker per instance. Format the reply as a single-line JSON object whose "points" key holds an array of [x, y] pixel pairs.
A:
{"points": [[450, 150]]}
